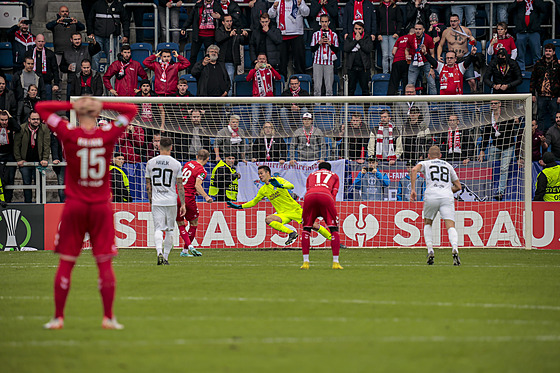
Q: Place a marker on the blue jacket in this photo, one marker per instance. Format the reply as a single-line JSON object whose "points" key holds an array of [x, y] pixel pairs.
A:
{"points": [[371, 185], [404, 189]]}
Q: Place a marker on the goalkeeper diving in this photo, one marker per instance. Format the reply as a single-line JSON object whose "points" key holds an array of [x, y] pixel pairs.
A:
{"points": [[287, 209]]}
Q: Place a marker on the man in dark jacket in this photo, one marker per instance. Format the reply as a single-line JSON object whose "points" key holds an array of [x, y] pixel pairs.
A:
{"points": [[527, 18], [72, 58], [44, 64], [22, 41], [319, 7], [258, 8], [7, 98], [62, 29], [352, 15], [88, 82], [357, 48], [8, 128], [503, 74], [211, 75], [22, 79], [545, 87], [224, 7], [229, 39], [290, 114], [203, 20], [267, 39], [126, 72], [105, 20]]}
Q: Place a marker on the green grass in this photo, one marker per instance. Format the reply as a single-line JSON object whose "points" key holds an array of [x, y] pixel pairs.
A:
{"points": [[255, 311]]}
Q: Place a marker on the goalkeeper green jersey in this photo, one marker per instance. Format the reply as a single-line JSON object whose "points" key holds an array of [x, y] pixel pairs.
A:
{"points": [[279, 197]]}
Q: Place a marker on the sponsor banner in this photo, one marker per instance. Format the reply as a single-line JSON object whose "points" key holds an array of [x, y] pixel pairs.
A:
{"points": [[250, 183], [362, 224], [22, 227]]}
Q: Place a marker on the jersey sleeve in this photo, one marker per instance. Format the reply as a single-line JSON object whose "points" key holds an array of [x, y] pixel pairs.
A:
{"points": [[454, 176], [336, 186], [254, 201], [285, 183]]}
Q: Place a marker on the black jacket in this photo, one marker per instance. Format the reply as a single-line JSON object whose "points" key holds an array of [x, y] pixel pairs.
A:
{"points": [[77, 55], [278, 151], [224, 39], [17, 86], [542, 68], [332, 10], [51, 76], [202, 74], [96, 84], [25, 108], [273, 40], [118, 188], [366, 46], [516, 12], [260, 7], [13, 128], [8, 102], [288, 93], [370, 19], [18, 49], [512, 77], [389, 19], [233, 10], [193, 20], [414, 14], [106, 19], [62, 33]]}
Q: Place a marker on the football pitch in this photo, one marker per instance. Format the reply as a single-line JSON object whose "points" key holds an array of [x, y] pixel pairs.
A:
{"points": [[256, 311]]}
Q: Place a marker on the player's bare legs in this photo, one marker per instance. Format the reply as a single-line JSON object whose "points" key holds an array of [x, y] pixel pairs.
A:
{"points": [[453, 239]]}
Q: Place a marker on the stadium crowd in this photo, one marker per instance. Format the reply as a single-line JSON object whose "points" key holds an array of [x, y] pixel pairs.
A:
{"points": [[420, 46]]}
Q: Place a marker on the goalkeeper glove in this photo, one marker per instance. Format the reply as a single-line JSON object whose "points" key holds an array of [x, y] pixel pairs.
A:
{"points": [[233, 205], [275, 183]]}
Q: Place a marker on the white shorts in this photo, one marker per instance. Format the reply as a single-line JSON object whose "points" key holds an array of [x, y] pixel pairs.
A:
{"points": [[445, 206], [164, 217]]}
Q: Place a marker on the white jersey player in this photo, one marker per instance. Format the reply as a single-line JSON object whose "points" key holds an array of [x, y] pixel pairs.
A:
{"points": [[441, 183], [164, 182]]}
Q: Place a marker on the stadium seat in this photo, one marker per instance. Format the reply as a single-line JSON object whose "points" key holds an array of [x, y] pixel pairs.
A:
{"points": [[103, 65], [279, 86], [308, 58], [353, 109], [336, 85], [247, 63], [379, 84], [148, 21], [556, 43], [171, 46], [305, 81], [241, 87], [374, 114], [8, 79], [193, 85], [324, 117], [187, 52], [524, 87], [49, 45], [6, 57], [140, 51]]}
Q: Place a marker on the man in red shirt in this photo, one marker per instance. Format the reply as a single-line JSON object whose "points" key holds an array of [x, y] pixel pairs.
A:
{"points": [[87, 209], [126, 72], [193, 176], [450, 73], [166, 71], [399, 69], [322, 187], [419, 63]]}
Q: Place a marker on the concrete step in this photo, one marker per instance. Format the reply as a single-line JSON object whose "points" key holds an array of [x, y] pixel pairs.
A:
{"points": [[75, 7]]}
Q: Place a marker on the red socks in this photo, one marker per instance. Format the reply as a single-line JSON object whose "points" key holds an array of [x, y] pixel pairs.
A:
{"points": [[62, 286], [185, 235], [107, 286], [192, 232], [305, 244], [335, 243]]}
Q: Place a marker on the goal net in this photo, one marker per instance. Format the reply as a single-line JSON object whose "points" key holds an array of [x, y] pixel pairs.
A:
{"points": [[372, 144]]}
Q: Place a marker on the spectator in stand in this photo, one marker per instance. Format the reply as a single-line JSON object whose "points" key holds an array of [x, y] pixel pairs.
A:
{"points": [[469, 11], [7, 99], [405, 187], [183, 88], [436, 29], [390, 22], [527, 16], [62, 28], [138, 13], [553, 137], [538, 146], [290, 114], [44, 64], [450, 73], [419, 63], [414, 139], [106, 19], [402, 109], [457, 38], [229, 40], [417, 11], [166, 71], [263, 76], [500, 13], [120, 188], [24, 78], [203, 20], [457, 146], [401, 60], [72, 58], [547, 187], [227, 7], [88, 82], [269, 147], [381, 145], [131, 143], [8, 128], [371, 183], [153, 149], [357, 48], [356, 135], [27, 105], [266, 39], [230, 140], [174, 9], [502, 39], [289, 16], [32, 144], [545, 87], [198, 128], [126, 72], [211, 75], [359, 12], [324, 46], [502, 131], [308, 142], [146, 113], [86, 8], [503, 74], [57, 157], [319, 7], [258, 8], [22, 41]]}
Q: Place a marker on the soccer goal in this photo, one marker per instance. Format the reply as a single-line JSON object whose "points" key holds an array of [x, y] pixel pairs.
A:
{"points": [[371, 142]]}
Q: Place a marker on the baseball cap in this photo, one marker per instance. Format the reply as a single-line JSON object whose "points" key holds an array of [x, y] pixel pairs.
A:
{"points": [[308, 115]]}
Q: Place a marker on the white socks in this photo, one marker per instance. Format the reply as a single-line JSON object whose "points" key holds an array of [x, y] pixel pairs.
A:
{"points": [[453, 238], [335, 258], [167, 244], [158, 239], [428, 238], [306, 258]]}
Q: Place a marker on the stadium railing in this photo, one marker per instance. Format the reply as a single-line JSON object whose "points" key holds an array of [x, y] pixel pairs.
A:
{"points": [[40, 186]]}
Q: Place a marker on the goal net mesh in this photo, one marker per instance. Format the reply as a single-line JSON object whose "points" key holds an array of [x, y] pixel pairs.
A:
{"points": [[372, 144]]}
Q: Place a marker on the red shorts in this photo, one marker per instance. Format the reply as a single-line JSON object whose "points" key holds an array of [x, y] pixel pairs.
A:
{"points": [[78, 218], [192, 210], [319, 204]]}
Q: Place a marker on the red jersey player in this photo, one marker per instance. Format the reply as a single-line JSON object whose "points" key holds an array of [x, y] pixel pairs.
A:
{"points": [[88, 194], [193, 176], [322, 186]]}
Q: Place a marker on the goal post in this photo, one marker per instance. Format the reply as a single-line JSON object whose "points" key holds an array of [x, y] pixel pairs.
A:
{"points": [[493, 209]]}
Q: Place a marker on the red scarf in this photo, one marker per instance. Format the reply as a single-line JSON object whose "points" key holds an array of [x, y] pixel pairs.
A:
{"points": [[225, 7], [528, 10], [33, 135], [235, 138], [495, 125], [268, 147], [308, 136], [263, 84], [296, 92], [322, 11], [164, 66], [123, 67], [282, 16], [418, 55], [43, 60], [87, 82], [358, 11], [206, 19], [379, 145], [454, 141], [27, 41], [325, 48]]}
